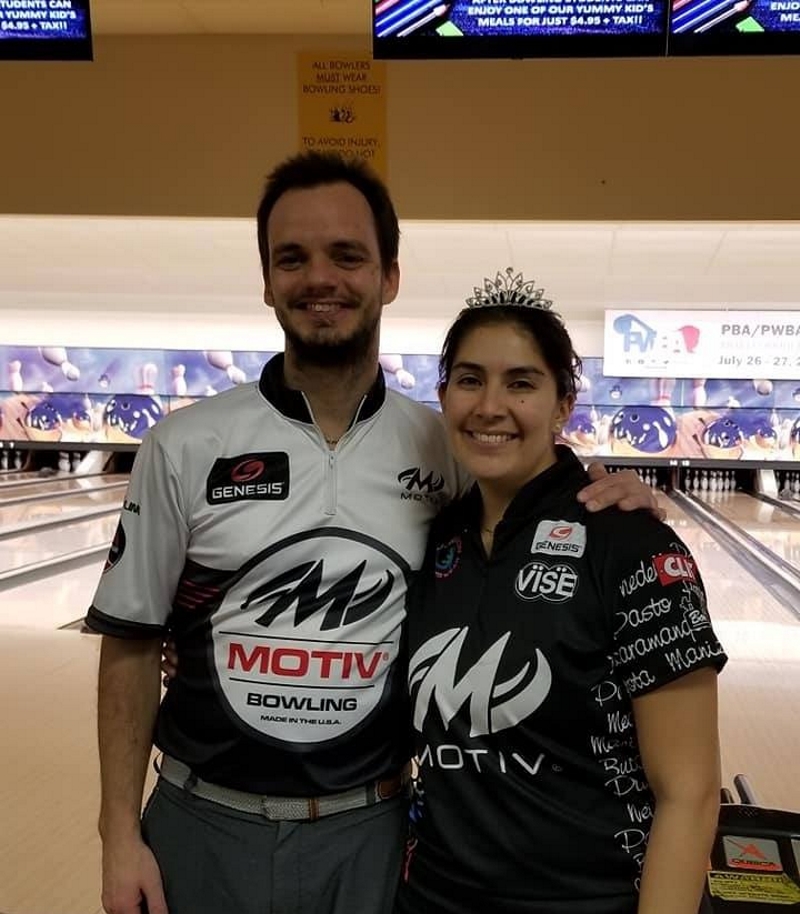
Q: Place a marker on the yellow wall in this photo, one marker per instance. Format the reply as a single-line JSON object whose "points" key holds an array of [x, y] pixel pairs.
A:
{"points": [[189, 125]]}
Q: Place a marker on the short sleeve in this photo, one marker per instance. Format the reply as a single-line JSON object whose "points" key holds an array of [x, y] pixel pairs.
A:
{"points": [[134, 596], [662, 629]]}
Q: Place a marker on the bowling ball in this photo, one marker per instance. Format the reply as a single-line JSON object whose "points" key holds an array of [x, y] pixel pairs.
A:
{"points": [[44, 421], [765, 437], [723, 439], [757, 430], [580, 432], [126, 417], [639, 430], [762, 387]]}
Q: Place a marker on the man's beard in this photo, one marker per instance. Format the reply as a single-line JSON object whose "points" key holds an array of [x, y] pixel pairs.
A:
{"points": [[335, 353]]}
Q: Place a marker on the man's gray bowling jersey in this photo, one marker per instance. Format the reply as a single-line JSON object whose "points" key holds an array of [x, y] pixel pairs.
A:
{"points": [[281, 567]]}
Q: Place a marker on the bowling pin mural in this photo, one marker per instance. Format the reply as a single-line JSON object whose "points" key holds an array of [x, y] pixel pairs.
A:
{"points": [[147, 376], [663, 388], [699, 394], [57, 355], [179, 387], [15, 376], [223, 360], [393, 364], [108, 374]]}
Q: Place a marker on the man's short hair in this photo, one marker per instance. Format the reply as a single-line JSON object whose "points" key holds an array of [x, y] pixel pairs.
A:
{"points": [[313, 169]]}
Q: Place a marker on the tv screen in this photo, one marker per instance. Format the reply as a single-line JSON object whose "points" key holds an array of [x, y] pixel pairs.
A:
{"points": [[45, 30], [734, 27], [539, 28]]}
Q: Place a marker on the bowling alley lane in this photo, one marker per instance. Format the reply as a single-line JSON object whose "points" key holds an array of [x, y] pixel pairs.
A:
{"points": [[27, 549], [758, 689], [31, 477], [772, 526], [61, 485], [15, 477], [29, 515], [51, 603]]}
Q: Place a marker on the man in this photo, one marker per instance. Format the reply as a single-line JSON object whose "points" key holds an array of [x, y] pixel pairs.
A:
{"points": [[275, 530]]}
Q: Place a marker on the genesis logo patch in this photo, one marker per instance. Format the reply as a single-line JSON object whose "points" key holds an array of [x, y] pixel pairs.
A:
{"points": [[560, 537], [249, 477], [116, 549], [553, 583]]}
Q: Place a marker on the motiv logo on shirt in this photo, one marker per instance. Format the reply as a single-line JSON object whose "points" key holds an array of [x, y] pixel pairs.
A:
{"points": [[307, 633], [560, 537], [494, 703]]}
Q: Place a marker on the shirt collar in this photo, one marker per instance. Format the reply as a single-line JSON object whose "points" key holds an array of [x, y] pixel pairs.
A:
{"points": [[293, 404], [536, 496]]}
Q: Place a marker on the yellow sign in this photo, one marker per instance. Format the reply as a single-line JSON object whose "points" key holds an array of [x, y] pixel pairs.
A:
{"points": [[753, 887], [342, 105]]}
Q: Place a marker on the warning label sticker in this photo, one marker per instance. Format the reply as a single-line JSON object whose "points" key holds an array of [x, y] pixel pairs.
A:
{"points": [[753, 887], [760, 854]]}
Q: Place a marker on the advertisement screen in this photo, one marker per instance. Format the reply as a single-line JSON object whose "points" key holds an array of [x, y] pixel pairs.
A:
{"points": [[734, 27], [45, 30], [540, 28]]}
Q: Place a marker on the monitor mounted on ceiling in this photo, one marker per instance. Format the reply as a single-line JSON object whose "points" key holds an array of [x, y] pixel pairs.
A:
{"points": [[734, 27], [45, 30], [464, 29]]}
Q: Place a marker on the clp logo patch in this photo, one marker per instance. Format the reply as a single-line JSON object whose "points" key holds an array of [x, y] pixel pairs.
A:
{"points": [[560, 537], [674, 567]]}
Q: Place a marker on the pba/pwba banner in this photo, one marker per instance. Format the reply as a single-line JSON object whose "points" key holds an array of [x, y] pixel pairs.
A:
{"points": [[702, 344], [341, 106]]}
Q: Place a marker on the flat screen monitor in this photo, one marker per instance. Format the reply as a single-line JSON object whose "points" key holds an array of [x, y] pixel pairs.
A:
{"points": [[45, 30], [710, 27], [431, 29]]}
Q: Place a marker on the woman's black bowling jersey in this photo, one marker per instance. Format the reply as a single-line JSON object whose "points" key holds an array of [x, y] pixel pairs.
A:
{"points": [[521, 674], [281, 566]]}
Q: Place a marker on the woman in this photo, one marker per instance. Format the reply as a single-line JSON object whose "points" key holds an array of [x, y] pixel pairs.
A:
{"points": [[562, 664]]}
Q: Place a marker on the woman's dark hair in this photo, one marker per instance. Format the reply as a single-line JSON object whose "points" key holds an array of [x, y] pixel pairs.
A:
{"points": [[314, 169], [546, 329]]}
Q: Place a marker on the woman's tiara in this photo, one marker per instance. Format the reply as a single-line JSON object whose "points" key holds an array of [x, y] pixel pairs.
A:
{"points": [[509, 289]]}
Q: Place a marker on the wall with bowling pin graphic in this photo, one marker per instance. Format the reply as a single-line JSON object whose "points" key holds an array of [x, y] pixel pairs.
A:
{"points": [[111, 397], [101, 396]]}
